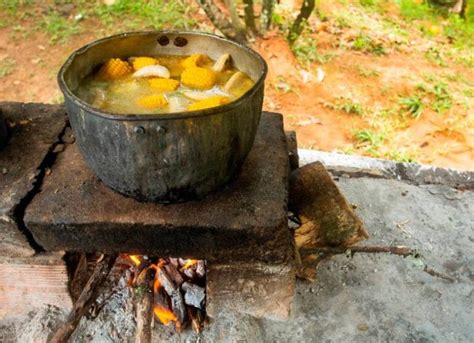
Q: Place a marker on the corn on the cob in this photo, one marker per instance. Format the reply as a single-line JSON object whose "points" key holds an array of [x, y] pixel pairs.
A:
{"points": [[152, 101], [196, 60], [163, 85], [113, 69], [213, 101], [140, 62], [200, 78]]}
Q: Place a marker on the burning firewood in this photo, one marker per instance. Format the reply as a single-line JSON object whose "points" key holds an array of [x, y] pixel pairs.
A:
{"points": [[194, 295], [144, 307], [173, 291]]}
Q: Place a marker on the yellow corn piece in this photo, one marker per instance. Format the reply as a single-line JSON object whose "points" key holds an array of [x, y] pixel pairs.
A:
{"points": [[163, 85], [196, 60], [200, 78], [140, 62], [152, 101], [212, 101], [113, 69]]}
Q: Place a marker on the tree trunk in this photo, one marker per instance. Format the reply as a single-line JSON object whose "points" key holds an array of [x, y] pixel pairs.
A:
{"points": [[250, 17], [267, 13], [220, 20], [305, 11], [234, 17]]}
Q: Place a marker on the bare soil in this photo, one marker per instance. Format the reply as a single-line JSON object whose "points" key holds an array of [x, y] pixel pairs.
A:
{"points": [[308, 104]]}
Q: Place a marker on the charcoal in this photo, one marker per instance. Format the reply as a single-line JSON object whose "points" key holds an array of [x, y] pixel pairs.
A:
{"points": [[194, 295], [201, 269], [174, 274], [177, 302]]}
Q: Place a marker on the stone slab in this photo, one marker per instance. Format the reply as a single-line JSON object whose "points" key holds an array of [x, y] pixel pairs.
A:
{"points": [[245, 220], [255, 289], [33, 130], [358, 166]]}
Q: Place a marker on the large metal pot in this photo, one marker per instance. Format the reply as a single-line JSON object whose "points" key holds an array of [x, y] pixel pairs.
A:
{"points": [[165, 157], [3, 131]]}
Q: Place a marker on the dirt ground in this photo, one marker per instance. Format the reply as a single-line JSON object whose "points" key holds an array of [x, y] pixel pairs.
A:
{"points": [[309, 97]]}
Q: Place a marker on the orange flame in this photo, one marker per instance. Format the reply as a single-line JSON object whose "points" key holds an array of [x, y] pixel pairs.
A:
{"points": [[164, 315], [189, 263], [135, 259]]}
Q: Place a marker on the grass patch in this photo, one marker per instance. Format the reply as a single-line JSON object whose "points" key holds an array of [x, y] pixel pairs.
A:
{"points": [[152, 14], [369, 137], [412, 104], [366, 44], [6, 66], [400, 156], [368, 72], [58, 28]]}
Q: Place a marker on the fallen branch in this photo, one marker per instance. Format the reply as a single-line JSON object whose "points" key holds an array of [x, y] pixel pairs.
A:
{"points": [[84, 301], [396, 250], [435, 273]]}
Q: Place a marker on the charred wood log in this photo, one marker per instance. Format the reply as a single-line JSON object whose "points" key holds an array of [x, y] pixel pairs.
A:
{"points": [[194, 295], [175, 275], [201, 269], [86, 298], [173, 291], [144, 308]]}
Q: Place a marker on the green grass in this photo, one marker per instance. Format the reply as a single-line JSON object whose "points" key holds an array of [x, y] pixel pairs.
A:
{"points": [[368, 72], [349, 106], [412, 104], [59, 28], [400, 156], [366, 44], [6, 66], [151, 14], [369, 137]]}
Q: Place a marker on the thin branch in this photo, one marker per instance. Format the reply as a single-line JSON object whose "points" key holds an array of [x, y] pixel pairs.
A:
{"points": [[396, 250]]}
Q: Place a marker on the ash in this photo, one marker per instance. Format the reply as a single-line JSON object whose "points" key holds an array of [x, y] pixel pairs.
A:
{"points": [[111, 318]]}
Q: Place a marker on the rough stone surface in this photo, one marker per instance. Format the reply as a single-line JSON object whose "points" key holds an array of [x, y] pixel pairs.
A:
{"points": [[245, 220], [340, 164], [254, 289], [34, 128], [367, 298]]}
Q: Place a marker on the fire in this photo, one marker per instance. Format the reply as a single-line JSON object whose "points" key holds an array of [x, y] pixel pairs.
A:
{"points": [[189, 263], [135, 259], [164, 315]]}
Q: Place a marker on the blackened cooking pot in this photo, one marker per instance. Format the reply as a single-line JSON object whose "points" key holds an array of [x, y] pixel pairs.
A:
{"points": [[164, 157], [3, 131]]}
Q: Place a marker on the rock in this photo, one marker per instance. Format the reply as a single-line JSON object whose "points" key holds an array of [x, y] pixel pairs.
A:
{"points": [[194, 295]]}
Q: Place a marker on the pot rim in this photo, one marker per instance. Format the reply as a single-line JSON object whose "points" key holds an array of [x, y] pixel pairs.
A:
{"points": [[161, 116]]}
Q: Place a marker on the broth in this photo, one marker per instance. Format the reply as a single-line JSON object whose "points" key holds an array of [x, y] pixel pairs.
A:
{"points": [[163, 84]]}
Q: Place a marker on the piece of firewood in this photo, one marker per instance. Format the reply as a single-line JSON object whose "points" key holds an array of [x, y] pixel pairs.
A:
{"points": [[173, 291], [396, 250], [88, 295], [327, 219], [79, 280], [144, 308], [175, 275]]}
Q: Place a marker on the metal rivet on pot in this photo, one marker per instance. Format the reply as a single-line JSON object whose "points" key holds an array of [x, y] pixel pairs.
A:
{"points": [[160, 129], [180, 42], [139, 129], [163, 40]]}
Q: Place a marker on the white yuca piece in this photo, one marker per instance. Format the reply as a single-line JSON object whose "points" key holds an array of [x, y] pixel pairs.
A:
{"points": [[177, 104], [153, 70], [234, 80], [221, 63], [196, 95]]}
